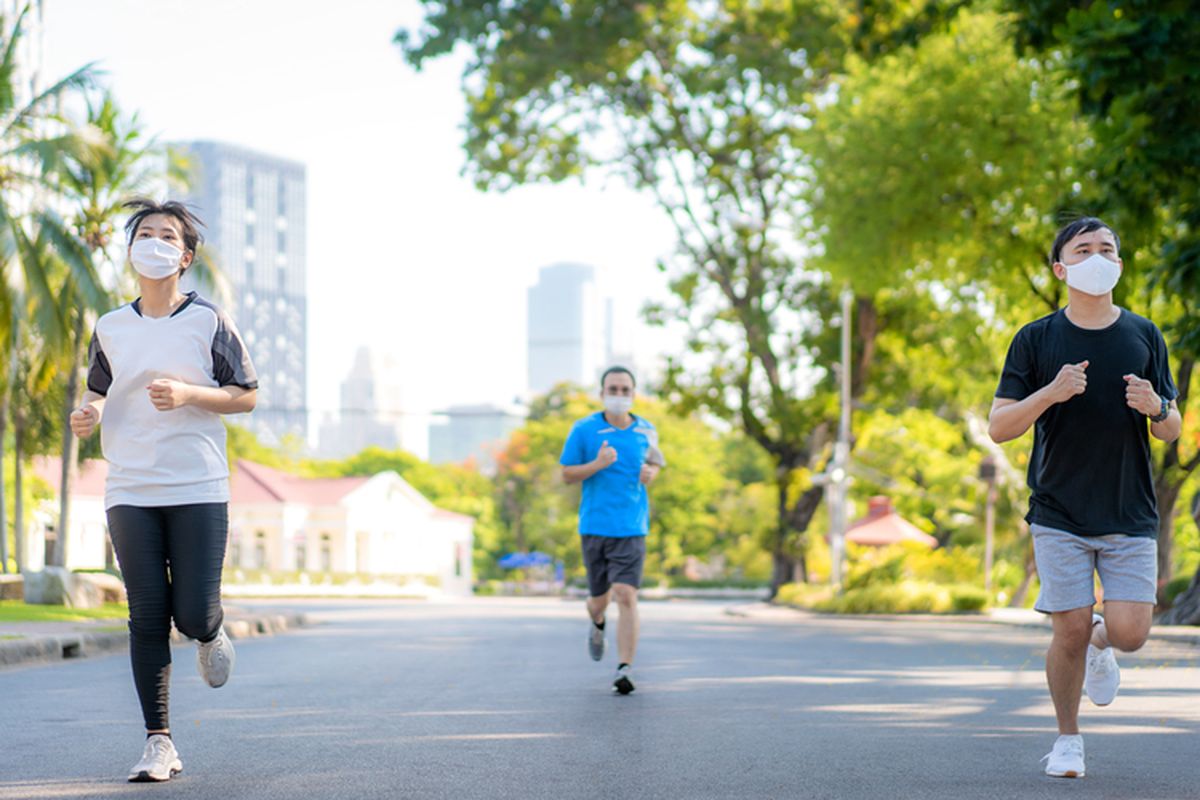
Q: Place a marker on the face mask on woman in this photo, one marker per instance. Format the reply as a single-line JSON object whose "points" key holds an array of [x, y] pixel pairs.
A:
{"points": [[154, 258]]}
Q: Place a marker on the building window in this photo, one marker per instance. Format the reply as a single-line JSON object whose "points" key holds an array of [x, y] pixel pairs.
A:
{"points": [[281, 198], [281, 242], [326, 553], [281, 274], [260, 550], [249, 189], [301, 556]]}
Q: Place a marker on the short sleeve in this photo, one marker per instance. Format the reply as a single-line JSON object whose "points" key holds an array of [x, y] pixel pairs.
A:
{"points": [[99, 375], [1160, 369], [1018, 380], [230, 358], [575, 448], [654, 454]]}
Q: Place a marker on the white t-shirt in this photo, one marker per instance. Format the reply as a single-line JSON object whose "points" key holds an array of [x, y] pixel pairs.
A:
{"points": [[165, 458]]}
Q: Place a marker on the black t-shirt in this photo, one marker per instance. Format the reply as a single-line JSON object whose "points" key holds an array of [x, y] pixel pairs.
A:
{"points": [[1090, 470]]}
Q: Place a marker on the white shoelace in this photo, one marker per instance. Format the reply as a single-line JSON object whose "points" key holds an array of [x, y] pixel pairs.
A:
{"points": [[1069, 747], [158, 750], [1098, 662]]}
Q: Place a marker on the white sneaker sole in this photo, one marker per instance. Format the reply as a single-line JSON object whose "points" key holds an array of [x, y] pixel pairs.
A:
{"points": [[145, 776]]}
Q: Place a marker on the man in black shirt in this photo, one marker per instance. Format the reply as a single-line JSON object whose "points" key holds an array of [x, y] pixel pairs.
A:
{"points": [[1088, 377]]}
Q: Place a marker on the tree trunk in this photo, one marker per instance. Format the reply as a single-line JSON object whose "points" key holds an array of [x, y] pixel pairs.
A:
{"points": [[783, 570], [867, 317], [791, 563], [18, 488], [70, 448], [1186, 610], [1167, 493], [3, 503], [1018, 598], [783, 562]]}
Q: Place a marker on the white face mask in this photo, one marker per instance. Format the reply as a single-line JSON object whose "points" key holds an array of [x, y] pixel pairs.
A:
{"points": [[616, 404], [154, 258], [1095, 275]]}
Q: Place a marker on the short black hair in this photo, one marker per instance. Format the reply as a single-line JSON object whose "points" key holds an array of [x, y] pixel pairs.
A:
{"points": [[1075, 227], [614, 370], [188, 221]]}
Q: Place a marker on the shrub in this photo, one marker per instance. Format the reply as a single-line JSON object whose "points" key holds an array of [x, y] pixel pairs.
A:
{"points": [[1175, 586], [967, 598], [904, 597]]}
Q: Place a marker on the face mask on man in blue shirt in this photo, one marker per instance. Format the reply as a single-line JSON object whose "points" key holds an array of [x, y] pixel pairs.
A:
{"points": [[617, 405]]}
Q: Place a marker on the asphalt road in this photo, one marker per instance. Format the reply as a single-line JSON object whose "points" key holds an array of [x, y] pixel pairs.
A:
{"points": [[497, 699]]}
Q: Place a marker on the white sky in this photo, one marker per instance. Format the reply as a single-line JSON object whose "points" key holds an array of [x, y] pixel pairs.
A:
{"points": [[404, 254]]}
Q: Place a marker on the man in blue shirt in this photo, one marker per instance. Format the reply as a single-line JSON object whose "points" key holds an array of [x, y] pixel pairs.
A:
{"points": [[615, 454]]}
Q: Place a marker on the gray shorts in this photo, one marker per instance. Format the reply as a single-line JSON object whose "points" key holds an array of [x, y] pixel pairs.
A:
{"points": [[613, 559], [1128, 567]]}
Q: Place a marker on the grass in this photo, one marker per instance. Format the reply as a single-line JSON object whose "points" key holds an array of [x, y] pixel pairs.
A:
{"points": [[18, 611]]}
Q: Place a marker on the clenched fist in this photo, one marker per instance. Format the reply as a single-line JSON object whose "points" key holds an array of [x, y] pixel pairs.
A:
{"points": [[1070, 381], [607, 455], [167, 394], [1140, 396], [84, 421]]}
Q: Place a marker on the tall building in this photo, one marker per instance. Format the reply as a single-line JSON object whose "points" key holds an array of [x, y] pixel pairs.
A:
{"points": [[253, 206], [371, 408], [567, 336], [472, 432]]}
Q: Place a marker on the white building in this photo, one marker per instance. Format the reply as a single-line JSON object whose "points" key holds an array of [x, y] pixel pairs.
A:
{"points": [[376, 526]]}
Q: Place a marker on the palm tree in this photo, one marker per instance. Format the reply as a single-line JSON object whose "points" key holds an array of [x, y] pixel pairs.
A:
{"points": [[34, 241], [94, 168]]}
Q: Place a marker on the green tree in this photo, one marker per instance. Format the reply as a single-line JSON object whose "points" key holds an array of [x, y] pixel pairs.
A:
{"points": [[35, 244], [113, 161], [698, 105]]}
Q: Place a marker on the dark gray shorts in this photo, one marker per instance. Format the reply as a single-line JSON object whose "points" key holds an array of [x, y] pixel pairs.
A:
{"points": [[613, 559]]}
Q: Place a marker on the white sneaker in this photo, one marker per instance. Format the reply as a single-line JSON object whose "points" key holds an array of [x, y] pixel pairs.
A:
{"points": [[1103, 676], [159, 761], [215, 660], [1066, 759]]}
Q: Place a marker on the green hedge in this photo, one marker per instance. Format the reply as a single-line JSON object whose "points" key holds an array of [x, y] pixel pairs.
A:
{"points": [[904, 597]]}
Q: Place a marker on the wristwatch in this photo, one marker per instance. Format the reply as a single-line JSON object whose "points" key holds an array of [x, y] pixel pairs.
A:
{"points": [[1164, 412]]}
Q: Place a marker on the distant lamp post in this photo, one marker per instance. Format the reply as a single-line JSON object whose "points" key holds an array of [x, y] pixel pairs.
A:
{"points": [[987, 474], [837, 488]]}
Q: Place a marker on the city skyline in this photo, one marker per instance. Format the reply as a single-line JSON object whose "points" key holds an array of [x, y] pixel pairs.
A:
{"points": [[404, 253]]}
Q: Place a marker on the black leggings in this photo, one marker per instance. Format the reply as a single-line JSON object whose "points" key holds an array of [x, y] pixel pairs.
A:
{"points": [[170, 558]]}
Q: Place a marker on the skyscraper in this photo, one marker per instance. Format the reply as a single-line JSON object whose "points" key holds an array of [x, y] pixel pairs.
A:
{"points": [[475, 432], [254, 208], [371, 412], [567, 337]]}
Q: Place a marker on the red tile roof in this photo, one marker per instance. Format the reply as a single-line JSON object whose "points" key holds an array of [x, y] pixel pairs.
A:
{"points": [[883, 526], [88, 482], [257, 483]]}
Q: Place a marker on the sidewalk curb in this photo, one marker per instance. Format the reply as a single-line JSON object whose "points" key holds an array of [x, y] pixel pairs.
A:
{"points": [[59, 647], [1177, 634]]}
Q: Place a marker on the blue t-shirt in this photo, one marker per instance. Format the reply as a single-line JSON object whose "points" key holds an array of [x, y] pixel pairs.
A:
{"points": [[615, 502]]}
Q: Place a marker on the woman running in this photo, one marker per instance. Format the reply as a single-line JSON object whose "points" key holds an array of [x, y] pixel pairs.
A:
{"points": [[161, 371]]}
